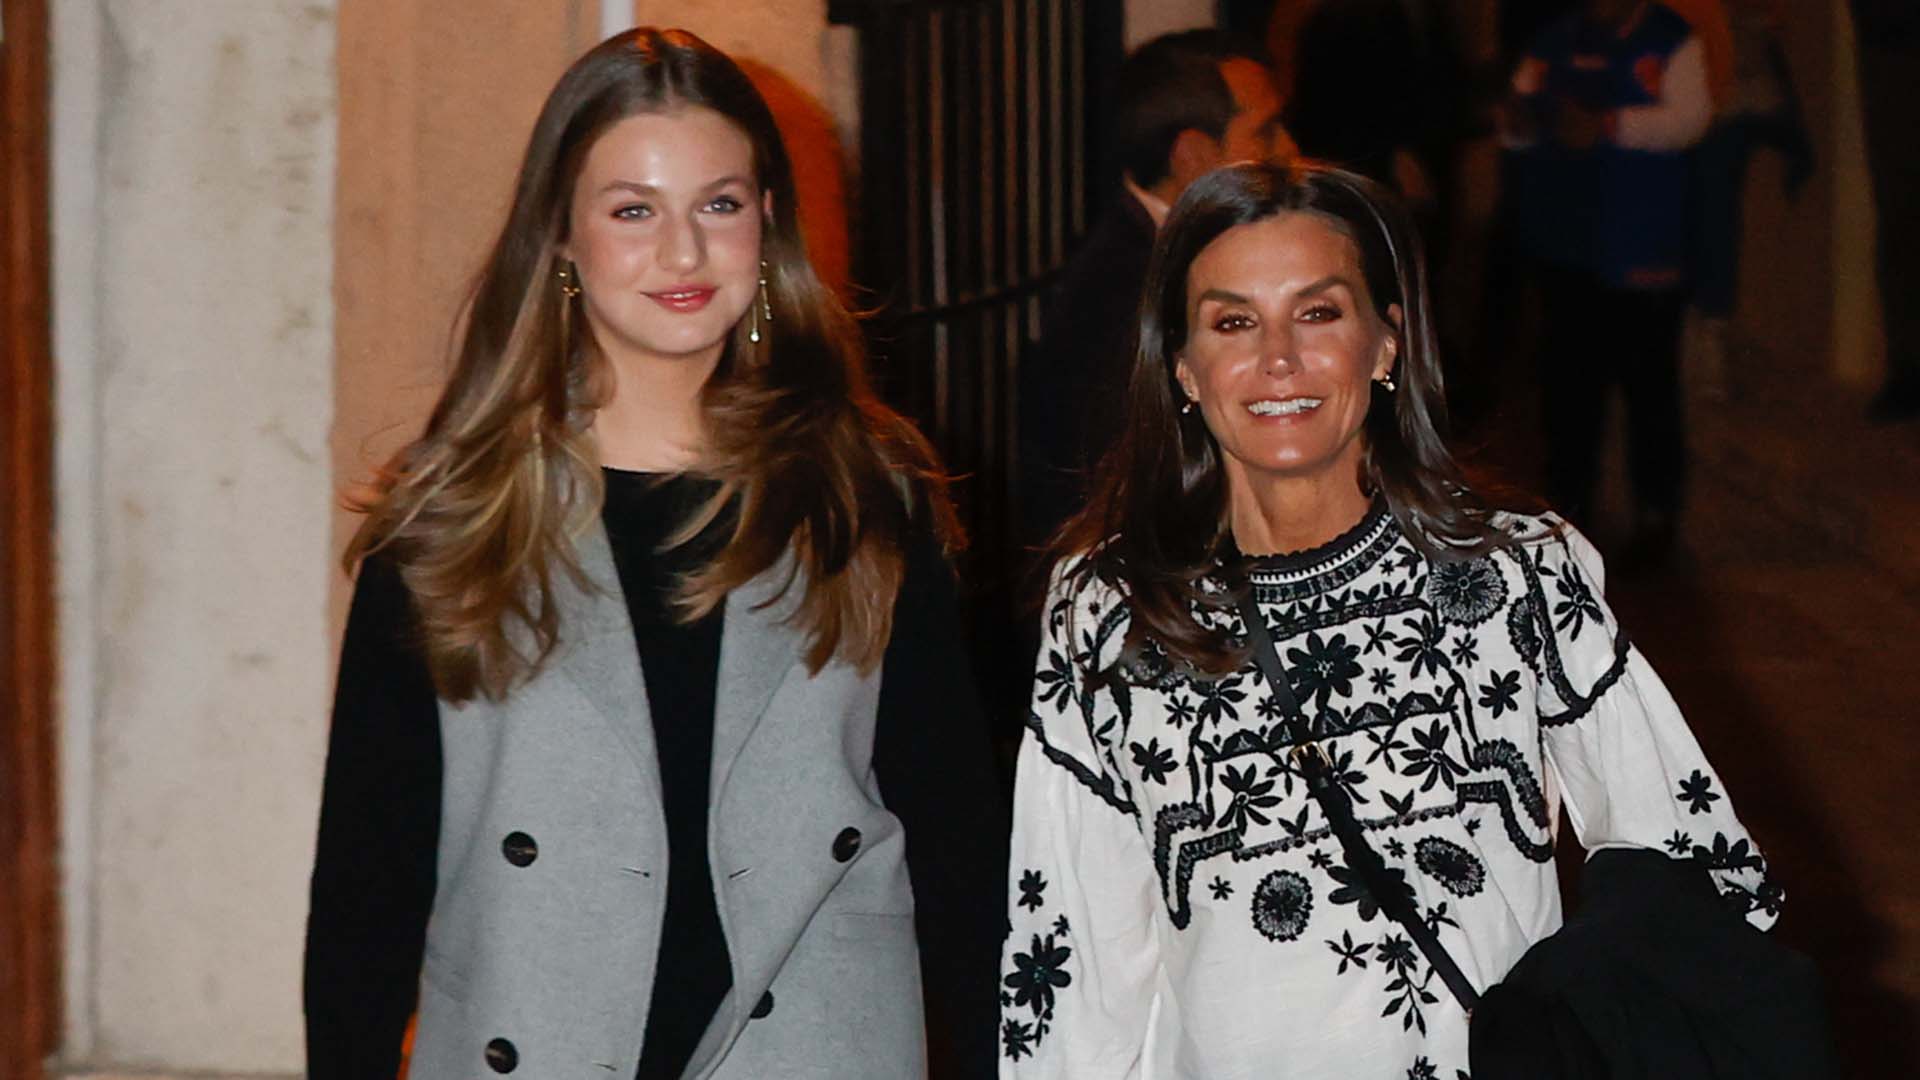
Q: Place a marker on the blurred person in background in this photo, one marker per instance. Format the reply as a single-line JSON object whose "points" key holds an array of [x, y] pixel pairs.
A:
{"points": [[1606, 107], [1184, 104], [1887, 37], [1178, 905], [655, 750], [1756, 107]]}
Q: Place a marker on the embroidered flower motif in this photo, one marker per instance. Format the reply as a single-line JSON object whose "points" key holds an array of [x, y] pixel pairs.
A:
{"points": [[1422, 1070], [1576, 604], [1422, 646], [1017, 1038], [1353, 889], [1154, 761], [1467, 592], [1680, 844], [1325, 668], [1431, 757], [1454, 867], [1251, 795], [1222, 888], [1502, 693], [1037, 974], [1218, 698], [1697, 792], [1032, 886], [1381, 679], [1348, 952], [1523, 629], [1281, 905]]}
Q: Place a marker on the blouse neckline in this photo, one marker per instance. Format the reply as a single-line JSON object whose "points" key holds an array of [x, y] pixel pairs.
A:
{"points": [[1356, 541]]}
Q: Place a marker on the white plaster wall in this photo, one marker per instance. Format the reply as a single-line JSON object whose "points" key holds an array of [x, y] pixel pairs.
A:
{"points": [[194, 159], [1148, 19]]}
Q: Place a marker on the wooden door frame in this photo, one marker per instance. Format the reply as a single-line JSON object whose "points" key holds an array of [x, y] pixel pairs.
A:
{"points": [[29, 877]]}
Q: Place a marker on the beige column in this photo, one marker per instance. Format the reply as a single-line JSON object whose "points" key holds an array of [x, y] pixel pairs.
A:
{"points": [[436, 103]]}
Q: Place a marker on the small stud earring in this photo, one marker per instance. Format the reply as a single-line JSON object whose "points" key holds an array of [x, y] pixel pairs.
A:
{"points": [[1386, 383], [568, 282], [1187, 408]]}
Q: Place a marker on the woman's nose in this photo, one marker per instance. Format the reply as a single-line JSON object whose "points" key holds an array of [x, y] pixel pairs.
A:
{"points": [[1278, 350], [683, 246]]}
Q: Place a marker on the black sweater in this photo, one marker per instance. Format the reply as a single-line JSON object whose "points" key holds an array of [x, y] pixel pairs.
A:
{"points": [[374, 870]]}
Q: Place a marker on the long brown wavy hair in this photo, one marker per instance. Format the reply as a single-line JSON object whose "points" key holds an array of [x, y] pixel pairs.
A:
{"points": [[1157, 521], [482, 511]]}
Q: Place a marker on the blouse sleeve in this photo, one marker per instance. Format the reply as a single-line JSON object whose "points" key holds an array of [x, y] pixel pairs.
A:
{"points": [[375, 863], [1080, 974], [1629, 768]]}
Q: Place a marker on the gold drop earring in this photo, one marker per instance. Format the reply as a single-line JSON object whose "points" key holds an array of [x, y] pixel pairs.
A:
{"points": [[765, 308]]}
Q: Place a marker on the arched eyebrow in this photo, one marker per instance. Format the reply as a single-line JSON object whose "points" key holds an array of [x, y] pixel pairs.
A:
{"points": [[1331, 281], [1225, 296], [648, 189]]}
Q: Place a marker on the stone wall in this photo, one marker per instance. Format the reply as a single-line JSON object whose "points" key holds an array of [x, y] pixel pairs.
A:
{"points": [[193, 264]]}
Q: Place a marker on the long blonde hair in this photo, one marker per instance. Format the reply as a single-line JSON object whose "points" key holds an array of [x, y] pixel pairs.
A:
{"points": [[481, 512]]}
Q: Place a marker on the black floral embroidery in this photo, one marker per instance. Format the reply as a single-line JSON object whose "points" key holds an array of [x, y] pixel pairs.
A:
{"points": [[1728, 855], [1222, 888], [1680, 844], [1353, 889], [1431, 759], [1454, 867], [1055, 680], [1466, 651], [1398, 957], [1467, 592], [1422, 646], [1697, 792], [1575, 606], [1502, 694], [1180, 710], [1218, 698], [1036, 974], [1523, 629], [1154, 761], [1281, 905], [1324, 668], [1032, 886], [1422, 1070], [1381, 679], [1251, 796], [1349, 953]]}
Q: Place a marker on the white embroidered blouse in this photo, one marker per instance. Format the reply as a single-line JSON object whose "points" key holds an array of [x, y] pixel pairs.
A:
{"points": [[1181, 910]]}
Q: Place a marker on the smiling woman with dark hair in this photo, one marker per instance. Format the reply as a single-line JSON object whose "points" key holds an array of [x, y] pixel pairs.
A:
{"points": [[1308, 702]]}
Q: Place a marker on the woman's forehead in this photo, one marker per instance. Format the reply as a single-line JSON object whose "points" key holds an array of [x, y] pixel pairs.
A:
{"points": [[1293, 247]]}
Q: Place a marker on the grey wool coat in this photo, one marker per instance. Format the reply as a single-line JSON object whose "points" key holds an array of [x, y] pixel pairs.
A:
{"points": [[553, 858]]}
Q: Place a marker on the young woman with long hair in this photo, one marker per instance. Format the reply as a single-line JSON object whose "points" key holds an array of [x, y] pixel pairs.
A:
{"points": [[1184, 905], [655, 751]]}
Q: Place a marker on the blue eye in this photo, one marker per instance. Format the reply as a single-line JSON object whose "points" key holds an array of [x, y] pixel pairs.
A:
{"points": [[725, 204], [633, 212]]}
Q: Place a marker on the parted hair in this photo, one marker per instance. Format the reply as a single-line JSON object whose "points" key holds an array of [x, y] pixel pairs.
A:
{"points": [[1157, 521], [482, 511]]}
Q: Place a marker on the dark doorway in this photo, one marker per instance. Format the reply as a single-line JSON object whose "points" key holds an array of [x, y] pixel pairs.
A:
{"points": [[978, 174]]}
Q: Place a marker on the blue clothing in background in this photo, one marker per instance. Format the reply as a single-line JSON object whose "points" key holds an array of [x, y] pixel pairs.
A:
{"points": [[1615, 212]]}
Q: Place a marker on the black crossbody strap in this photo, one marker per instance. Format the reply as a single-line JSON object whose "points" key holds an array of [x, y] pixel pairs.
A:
{"points": [[1393, 896]]}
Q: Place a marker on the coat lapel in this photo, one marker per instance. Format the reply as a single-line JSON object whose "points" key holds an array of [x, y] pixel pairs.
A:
{"points": [[598, 654], [758, 647]]}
